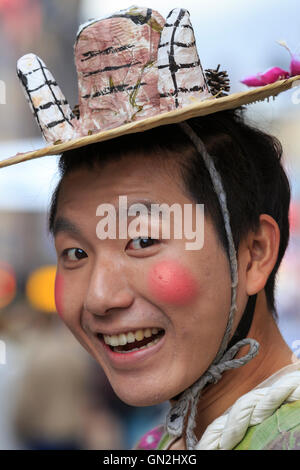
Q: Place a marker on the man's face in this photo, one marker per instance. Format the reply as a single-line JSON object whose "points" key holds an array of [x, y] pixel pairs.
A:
{"points": [[145, 291]]}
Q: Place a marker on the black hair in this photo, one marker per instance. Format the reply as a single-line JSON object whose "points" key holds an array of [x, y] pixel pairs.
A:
{"points": [[247, 158]]}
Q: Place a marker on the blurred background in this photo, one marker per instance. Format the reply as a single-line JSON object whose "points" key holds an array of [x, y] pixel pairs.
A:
{"points": [[52, 394]]}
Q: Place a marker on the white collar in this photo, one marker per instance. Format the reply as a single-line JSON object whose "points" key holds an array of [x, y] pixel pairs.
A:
{"points": [[250, 409]]}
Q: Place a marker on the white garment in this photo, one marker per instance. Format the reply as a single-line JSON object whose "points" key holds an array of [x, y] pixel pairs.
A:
{"points": [[226, 431]]}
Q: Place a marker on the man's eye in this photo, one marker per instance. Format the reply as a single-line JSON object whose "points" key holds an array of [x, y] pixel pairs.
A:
{"points": [[74, 254], [140, 242]]}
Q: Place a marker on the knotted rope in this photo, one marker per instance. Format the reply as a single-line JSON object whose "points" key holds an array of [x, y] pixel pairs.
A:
{"points": [[228, 430], [189, 398]]}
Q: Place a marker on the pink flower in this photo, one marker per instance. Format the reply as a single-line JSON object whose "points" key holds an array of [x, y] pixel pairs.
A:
{"points": [[269, 76], [295, 66], [295, 62]]}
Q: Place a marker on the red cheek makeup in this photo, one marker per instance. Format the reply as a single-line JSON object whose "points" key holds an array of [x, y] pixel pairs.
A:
{"points": [[172, 283], [59, 281]]}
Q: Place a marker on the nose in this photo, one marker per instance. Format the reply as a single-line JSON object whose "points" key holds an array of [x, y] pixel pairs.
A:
{"points": [[108, 288]]}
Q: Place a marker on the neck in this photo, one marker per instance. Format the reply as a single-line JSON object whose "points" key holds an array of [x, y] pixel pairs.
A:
{"points": [[273, 355]]}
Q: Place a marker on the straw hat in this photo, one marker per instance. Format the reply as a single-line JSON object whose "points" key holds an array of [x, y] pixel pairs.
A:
{"points": [[136, 71]]}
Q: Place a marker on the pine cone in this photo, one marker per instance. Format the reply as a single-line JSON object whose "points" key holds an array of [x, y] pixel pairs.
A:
{"points": [[218, 81]]}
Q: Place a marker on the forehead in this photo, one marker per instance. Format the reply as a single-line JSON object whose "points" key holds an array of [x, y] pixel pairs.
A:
{"points": [[132, 175]]}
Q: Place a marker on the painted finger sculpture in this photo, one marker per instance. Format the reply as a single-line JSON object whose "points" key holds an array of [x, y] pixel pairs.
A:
{"points": [[47, 102], [181, 79]]}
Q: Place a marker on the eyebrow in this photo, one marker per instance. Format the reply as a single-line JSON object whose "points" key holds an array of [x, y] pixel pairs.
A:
{"points": [[146, 202], [62, 224]]}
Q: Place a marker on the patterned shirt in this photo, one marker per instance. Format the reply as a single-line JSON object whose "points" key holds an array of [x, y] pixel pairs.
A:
{"points": [[280, 431]]}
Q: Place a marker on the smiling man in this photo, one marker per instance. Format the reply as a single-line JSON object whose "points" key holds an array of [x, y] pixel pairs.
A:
{"points": [[152, 313], [198, 326]]}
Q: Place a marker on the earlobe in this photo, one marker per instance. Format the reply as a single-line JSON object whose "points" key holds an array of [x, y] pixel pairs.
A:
{"points": [[263, 246]]}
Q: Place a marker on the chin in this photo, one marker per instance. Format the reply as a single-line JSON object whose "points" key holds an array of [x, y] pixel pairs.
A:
{"points": [[142, 398], [145, 390]]}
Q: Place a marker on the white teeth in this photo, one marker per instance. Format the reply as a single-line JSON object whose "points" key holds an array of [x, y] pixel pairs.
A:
{"points": [[131, 350], [114, 340], [106, 339], [130, 337], [153, 342], [137, 349], [147, 333], [122, 339], [139, 335]]}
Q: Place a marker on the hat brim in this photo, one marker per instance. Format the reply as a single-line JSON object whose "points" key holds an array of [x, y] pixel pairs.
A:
{"points": [[202, 108]]}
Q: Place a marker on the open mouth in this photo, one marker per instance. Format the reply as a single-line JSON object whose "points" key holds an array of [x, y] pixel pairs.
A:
{"points": [[133, 340]]}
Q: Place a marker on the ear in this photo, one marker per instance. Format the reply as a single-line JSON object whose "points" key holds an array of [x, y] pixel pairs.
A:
{"points": [[261, 251]]}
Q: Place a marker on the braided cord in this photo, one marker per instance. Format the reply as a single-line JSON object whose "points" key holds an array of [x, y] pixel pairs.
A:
{"points": [[189, 399], [225, 432]]}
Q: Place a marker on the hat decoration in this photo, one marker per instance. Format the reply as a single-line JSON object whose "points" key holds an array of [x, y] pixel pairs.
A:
{"points": [[273, 74], [130, 65], [136, 71]]}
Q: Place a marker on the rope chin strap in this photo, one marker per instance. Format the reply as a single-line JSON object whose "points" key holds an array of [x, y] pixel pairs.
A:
{"points": [[223, 360]]}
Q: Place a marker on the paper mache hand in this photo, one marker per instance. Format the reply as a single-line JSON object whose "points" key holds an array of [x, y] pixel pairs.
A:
{"points": [[131, 65]]}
